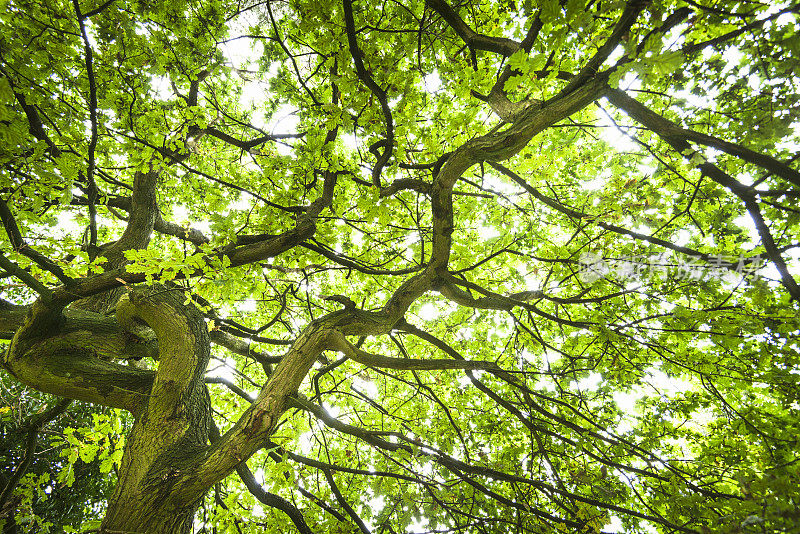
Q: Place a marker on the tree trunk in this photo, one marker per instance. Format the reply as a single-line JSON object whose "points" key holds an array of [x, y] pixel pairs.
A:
{"points": [[171, 431], [148, 497], [158, 519]]}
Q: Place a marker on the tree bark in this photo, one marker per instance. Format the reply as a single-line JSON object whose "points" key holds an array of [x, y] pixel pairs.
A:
{"points": [[144, 211], [171, 430]]}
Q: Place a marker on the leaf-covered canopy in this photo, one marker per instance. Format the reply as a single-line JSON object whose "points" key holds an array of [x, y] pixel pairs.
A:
{"points": [[520, 266]]}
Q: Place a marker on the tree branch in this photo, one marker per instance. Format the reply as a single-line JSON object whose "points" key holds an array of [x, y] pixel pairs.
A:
{"points": [[629, 15], [351, 263], [674, 137], [474, 40], [243, 348], [26, 277], [729, 36], [765, 161], [230, 385], [270, 499], [246, 145], [495, 301], [340, 343], [35, 125], [92, 185], [78, 373], [269, 247], [570, 212], [18, 244], [380, 94], [457, 466], [99, 9], [343, 502], [136, 236]]}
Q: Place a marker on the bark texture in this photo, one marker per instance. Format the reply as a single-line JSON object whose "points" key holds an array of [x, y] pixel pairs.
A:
{"points": [[172, 427]]}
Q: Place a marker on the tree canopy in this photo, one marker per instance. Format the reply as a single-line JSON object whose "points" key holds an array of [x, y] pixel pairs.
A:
{"points": [[400, 266]]}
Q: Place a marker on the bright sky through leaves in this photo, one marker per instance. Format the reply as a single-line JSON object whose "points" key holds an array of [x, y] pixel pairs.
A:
{"points": [[408, 267]]}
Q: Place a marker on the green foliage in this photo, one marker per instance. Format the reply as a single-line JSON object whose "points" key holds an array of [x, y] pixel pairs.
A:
{"points": [[660, 395], [102, 442], [58, 491]]}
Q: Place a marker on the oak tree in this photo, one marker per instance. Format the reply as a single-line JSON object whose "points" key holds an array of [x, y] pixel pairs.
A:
{"points": [[404, 266]]}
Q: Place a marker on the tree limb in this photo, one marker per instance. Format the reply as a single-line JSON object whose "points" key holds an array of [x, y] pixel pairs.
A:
{"points": [[571, 212], [341, 344], [629, 15], [474, 40], [27, 278], [270, 499], [92, 185], [343, 502], [18, 244], [380, 94], [675, 137]]}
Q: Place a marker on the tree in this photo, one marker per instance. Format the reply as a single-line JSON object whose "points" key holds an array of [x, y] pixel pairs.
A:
{"points": [[506, 266]]}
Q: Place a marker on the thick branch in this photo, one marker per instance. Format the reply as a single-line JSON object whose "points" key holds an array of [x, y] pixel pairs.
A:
{"points": [[269, 247], [497, 146], [65, 370], [406, 184], [136, 236], [629, 15], [192, 235], [765, 161], [306, 226], [495, 301], [98, 10], [673, 136], [501, 145], [71, 357], [35, 125], [142, 219], [261, 418], [474, 40], [12, 317]]}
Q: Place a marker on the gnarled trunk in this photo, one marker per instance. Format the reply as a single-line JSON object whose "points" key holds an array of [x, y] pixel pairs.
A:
{"points": [[68, 353], [171, 431]]}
